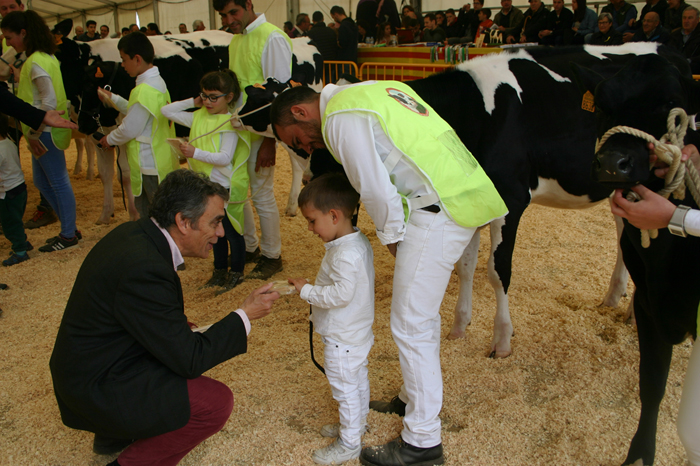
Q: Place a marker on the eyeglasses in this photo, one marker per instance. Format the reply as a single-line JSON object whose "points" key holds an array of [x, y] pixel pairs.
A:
{"points": [[211, 98]]}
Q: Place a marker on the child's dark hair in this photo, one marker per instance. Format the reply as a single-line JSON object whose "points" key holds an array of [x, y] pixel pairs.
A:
{"points": [[330, 191], [38, 38], [224, 81], [3, 125], [137, 43]]}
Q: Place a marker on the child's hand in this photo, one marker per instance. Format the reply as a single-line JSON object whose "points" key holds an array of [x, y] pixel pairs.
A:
{"points": [[104, 96], [187, 150], [105, 145], [298, 283], [198, 101]]}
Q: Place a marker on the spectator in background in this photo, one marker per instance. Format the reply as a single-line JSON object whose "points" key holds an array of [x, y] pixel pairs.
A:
{"points": [[585, 21], [104, 31], [606, 34], [79, 31], [198, 25], [91, 33], [143, 30], [384, 33], [658, 6], [125, 31], [674, 15], [134, 28], [183, 28], [622, 13], [387, 11], [288, 28], [557, 29], [431, 31], [364, 32], [652, 31], [485, 17], [687, 39], [534, 21], [347, 35], [469, 18], [367, 13], [152, 30], [326, 41], [302, 27], [509, 18], [440, 19], [452, 26]]}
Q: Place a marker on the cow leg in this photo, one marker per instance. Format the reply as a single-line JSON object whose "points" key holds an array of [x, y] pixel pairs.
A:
{"points": [[90, 148], [654, 362], [125, 170], [295, 189], [105, 166], [79, 148], [499, 269], [465, 266], [619, 279]]}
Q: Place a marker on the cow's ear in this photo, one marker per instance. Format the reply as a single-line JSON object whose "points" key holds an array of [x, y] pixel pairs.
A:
{"points": [[692, 92], [586, 78]]}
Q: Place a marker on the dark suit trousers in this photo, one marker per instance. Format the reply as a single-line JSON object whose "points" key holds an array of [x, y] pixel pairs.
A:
{"points": [[211, 403]]}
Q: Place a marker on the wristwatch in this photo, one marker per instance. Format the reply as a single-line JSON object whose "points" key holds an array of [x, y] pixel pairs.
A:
{"points": [[677, 224]]}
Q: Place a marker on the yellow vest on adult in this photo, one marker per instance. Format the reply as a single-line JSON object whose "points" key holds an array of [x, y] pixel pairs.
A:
{"points": [[203, 122], [166, 161], [430, 145], [49, 63], [4, 45]]}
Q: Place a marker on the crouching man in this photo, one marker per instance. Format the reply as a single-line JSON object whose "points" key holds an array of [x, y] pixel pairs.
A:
{"points": [[126, 365]]}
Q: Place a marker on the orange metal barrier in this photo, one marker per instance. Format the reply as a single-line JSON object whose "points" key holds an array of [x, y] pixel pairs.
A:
{"points": [[400, 71], [696, 77], [333, 69]]}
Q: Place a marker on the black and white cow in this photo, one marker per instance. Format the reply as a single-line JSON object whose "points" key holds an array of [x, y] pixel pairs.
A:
{"points": [[667, 273], [523, 117]]}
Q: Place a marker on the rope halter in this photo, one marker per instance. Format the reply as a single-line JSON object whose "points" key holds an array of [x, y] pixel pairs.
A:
{"points": [[668, 150]]}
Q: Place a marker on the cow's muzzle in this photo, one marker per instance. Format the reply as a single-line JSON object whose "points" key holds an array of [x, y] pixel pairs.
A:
{"points": [[622, 162]]}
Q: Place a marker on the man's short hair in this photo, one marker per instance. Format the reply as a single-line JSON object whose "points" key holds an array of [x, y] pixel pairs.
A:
{"points": [[137, 43], [125, 30], [281, 109], [430, 16], [486, 11], [692, 8], [196, 23], [450, 10], [338, 10], [89, 22], [181, 24], [131, 26], [330, 191], [104, 26], [219, 5], [185, 192], [317, 17], [302, 18]]}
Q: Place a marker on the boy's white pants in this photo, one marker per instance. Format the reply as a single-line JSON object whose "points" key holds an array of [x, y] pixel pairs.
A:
{"points": [[689, 410], [424, 262], [346, 369]]}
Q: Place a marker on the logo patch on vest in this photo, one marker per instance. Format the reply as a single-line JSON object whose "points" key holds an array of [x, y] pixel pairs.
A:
{"points": [[407, 101]]}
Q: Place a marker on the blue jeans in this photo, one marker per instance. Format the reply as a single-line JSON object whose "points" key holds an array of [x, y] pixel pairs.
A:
{"points": [[51, 179]]}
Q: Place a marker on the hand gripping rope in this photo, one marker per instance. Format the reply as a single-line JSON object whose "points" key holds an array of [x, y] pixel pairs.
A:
{"points": [[668, 150]]}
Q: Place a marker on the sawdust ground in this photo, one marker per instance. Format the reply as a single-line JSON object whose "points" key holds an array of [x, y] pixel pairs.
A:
{"points": [[568, 395]]}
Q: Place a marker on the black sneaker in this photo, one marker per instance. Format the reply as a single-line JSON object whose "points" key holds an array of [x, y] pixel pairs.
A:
{"points": [[252, 256], [395, 406], [41, 218], [15, 259], [399, 453], [265, 268], [58, 243], [218, 278], [233, 279], [53, 238], [108, 446]]}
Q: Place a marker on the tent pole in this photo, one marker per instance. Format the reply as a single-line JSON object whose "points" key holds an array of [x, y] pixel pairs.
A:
{"points": [[212, 17], [116, 18], [156, 16]]}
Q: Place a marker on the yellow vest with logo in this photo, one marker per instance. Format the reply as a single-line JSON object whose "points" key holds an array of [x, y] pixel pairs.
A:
{"points": [[49, 63], [166, 161], [237, 171], [429, 145]]}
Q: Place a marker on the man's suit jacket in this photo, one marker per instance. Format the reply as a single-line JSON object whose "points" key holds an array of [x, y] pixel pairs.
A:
{"points": [[124, 351], [690, 49], [13, 106]]}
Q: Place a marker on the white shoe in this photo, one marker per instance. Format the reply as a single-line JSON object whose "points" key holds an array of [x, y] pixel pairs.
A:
{"points": [[333, 430], [336, 453]]}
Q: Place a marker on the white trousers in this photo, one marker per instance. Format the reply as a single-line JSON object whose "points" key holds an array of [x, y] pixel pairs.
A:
{"points": [[689, 410], [346, 370], [262, 189], [424, 262]]}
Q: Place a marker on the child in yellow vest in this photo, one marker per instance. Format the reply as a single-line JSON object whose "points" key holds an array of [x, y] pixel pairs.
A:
{"points": [[144, 130], [220, 152]]}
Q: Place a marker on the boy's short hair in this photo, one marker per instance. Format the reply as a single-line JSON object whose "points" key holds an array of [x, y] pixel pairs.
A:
{"points": [[330, 191], [4, 125], [137, 43], [338, 10], [486, 12], [89, 22]]}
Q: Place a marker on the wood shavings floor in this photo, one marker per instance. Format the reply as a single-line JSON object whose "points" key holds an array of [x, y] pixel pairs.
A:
{"points": [[568, 395]]}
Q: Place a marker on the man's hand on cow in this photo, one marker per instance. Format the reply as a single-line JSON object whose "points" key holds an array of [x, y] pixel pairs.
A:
{"points": [[53, 118], [36, 147], [187, 150], [259, 303], [651, 212], [266, 154], [392, 248], [105, 145], [298, 283]]}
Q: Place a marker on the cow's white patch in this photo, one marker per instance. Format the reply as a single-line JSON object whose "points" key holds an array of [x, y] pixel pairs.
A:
{"points": [[304, 52], [549, 193], [633, 48], [490, 71]]}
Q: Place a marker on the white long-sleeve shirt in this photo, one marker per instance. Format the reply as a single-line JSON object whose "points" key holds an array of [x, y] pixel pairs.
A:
{"points": [[692, 222], [343, 295], [11, 174], [276, 55], [361, 144], [43, 96], [221, 160], [138, 121]]}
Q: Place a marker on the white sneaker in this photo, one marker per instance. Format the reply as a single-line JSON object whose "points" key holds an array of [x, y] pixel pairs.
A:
{"points": [[333, 430], [336, 453]]}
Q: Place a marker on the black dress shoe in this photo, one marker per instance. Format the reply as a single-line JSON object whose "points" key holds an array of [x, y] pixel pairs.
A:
{"points": [[108, 446], [399, 453], [395, 406]]}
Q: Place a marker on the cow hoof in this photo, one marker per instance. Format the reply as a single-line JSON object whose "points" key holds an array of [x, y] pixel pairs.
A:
{"points": [[77, 171], [90, 177], [104, 220], [456, 334], [495, 354], [291, 213]]}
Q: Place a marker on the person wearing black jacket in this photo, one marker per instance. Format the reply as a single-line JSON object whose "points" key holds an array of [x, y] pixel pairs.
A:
{"points": [[325, 38], [658, 6], [31, 116], [687, 39], [606, 34], [652, 31], [674, 15], [535, 21], [347, 35], [557, 30]]}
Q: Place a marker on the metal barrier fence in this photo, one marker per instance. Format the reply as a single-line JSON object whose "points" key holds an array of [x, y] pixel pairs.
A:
{"points": [[399, 71], [332, 70]]}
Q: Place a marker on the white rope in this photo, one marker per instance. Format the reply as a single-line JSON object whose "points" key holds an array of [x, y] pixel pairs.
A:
{"points": [[668, 150]]}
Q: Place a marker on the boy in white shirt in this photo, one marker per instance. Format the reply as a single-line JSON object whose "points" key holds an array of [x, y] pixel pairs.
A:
{"points": [[342, 302]]}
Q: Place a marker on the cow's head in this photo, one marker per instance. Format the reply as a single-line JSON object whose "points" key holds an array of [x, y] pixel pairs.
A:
{"points": [[100, 74], [640, 96]]}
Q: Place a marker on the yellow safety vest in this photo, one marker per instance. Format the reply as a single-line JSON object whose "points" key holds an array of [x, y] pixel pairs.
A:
{"points": [[166, 161], [430, 145], [49, 63], [237, 171]]}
